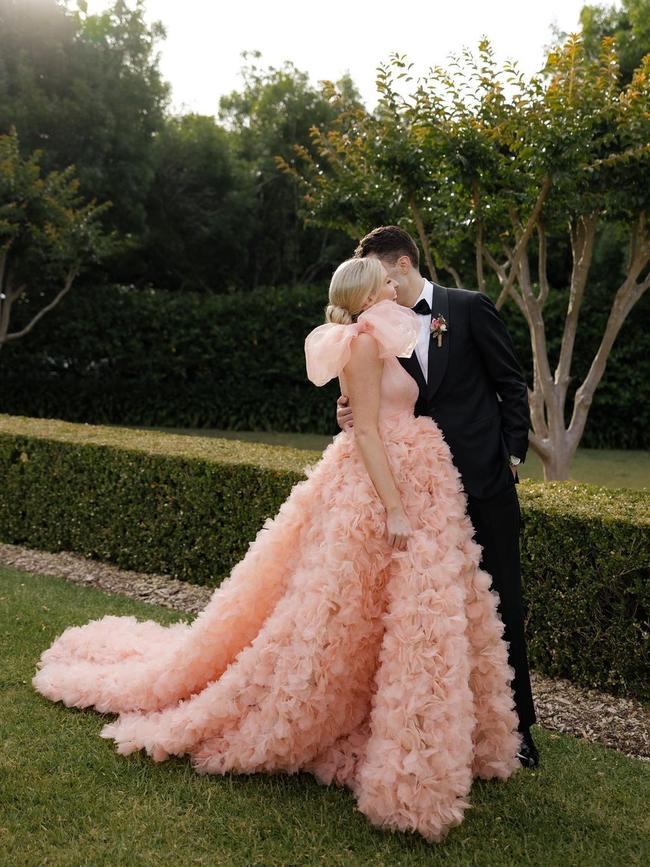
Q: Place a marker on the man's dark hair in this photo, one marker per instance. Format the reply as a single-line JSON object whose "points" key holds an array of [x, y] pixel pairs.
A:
{"points": [[389, 242]]}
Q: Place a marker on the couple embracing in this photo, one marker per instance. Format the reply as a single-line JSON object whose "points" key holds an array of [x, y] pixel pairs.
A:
{"points": [[373, 633]]}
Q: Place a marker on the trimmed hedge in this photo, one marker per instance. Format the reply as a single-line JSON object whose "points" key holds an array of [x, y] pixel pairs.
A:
{"points": [[190, 506], [117, 355], [149, 501], [165, 359], [586, 569]]}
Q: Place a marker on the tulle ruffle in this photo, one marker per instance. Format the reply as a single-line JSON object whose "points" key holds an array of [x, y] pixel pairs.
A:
{"points": [[328, 347], [325, 650]]}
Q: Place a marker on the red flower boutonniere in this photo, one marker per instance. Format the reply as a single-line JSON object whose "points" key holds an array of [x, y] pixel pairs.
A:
{"points": [[438, 327]]}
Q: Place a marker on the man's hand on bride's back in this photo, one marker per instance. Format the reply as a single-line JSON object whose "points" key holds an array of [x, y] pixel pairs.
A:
{"points": [[344, 413]]}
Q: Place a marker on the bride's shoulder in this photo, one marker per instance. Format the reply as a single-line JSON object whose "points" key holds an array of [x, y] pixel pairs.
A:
{"points": [[365, 347]]}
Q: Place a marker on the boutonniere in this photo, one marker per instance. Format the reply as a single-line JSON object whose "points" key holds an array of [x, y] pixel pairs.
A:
{"points": [[439, 327]]}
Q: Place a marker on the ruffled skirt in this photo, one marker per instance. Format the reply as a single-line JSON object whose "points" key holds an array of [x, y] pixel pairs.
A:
{"points": [[325, 650]]}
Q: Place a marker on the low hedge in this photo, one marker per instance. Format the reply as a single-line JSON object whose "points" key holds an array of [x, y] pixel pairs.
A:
{"points": [[585, 567], [190, 506], [158, 502]]}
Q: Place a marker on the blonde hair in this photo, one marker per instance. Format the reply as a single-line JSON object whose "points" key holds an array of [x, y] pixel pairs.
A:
{"points": [[352, 283]]}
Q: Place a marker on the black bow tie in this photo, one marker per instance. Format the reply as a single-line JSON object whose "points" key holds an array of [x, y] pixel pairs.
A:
{"points": [[422, 307]]}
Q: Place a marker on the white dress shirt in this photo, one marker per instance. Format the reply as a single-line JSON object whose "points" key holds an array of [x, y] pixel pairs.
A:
{"points": [[422, 346]]}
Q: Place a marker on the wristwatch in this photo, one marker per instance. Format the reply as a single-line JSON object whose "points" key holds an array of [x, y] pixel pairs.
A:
{"points": [[514, 461]]}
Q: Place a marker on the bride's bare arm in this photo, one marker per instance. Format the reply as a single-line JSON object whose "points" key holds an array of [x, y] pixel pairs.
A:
{"points": [[363, 377]]}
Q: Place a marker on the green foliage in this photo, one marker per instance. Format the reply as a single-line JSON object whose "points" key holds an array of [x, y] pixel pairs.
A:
{"points": [[628, 24], [190, 507], [473, 160], [199, 211], [86, 89], [200, 204], [586, 565], [161, 358], [46, 230], [48, 235], [362, 168], [273, 112], [188, 360]]}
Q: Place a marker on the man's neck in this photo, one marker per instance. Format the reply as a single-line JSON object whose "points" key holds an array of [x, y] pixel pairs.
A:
{"points": [[412, 289]]}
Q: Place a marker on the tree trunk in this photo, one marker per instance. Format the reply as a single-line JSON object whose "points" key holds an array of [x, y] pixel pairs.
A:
{"points": [[558, 464], [13, 295], [551, 438], [422, 235]]}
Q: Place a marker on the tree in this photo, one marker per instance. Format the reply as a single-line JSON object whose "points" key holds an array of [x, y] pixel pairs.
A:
{"points": [[86, 90], [47, 235], [199, 210], [492, 182], [274, 110], [629, 24]]}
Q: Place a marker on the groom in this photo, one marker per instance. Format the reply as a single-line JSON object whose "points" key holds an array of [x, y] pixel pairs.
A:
{"points": [[472, 386]]}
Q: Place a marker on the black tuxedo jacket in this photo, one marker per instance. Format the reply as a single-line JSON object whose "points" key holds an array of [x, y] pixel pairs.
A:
{"points": [[476, 390]]}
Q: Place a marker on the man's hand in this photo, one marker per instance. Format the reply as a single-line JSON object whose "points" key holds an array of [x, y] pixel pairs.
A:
{"points": [[512, 468], [344, 413]]}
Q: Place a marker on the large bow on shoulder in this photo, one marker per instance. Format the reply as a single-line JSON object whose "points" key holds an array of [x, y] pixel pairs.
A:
{"points": [[328, 347]]}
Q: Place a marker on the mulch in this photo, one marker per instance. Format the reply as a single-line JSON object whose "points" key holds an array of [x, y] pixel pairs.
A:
{"points": [[620, 723]]}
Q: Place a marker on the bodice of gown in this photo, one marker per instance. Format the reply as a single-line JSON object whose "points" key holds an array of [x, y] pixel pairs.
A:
{"points": [[395, 328]]}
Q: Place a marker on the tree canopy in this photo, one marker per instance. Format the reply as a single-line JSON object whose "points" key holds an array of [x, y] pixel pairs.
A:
{"points": [[489, 169], [628, 24], [48, 235]]}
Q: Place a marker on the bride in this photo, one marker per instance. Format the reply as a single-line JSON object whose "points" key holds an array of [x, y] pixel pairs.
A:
{"points": [[358, 639]]}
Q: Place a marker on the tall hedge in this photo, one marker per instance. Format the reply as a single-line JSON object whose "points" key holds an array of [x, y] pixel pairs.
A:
{"points": [[148, 357], [190, 506], [145, 357]]}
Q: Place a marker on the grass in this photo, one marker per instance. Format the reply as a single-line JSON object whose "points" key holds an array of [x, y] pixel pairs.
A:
{"points": [[68, 798], [609, 467]]}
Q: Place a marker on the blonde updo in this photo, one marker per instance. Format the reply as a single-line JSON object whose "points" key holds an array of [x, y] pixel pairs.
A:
{"points": [[353, 282]]}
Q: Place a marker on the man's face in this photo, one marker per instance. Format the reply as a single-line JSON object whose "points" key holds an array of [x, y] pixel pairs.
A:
{"points": [[397, 272]]}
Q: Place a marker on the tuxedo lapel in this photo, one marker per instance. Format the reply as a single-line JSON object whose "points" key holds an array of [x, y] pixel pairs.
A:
{"points": [[412, 365], [438, 355]]}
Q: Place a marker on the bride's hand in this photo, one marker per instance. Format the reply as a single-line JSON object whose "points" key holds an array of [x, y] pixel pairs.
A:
{"points": [[398, 529]]}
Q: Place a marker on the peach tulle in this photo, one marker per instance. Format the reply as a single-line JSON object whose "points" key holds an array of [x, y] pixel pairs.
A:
{"points": [[328, 347], [325, 650]]}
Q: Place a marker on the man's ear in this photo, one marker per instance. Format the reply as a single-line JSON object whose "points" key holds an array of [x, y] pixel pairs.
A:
{"points": [[404, 264]]}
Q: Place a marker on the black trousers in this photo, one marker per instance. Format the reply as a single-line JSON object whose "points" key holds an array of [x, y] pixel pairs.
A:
{"points": [[497, 522]]}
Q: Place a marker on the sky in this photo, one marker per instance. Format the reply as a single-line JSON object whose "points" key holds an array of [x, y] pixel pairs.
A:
{"points": [[201, 56]]}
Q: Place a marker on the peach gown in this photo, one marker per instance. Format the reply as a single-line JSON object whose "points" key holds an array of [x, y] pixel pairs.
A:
{"points": [[325, 650]]}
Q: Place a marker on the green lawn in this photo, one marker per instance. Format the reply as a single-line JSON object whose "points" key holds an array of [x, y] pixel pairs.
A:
{"points": [[68, 798], [614, 469]]}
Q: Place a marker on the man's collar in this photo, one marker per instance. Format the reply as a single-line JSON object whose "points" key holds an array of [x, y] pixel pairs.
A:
{"points": [[426, 293]]}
